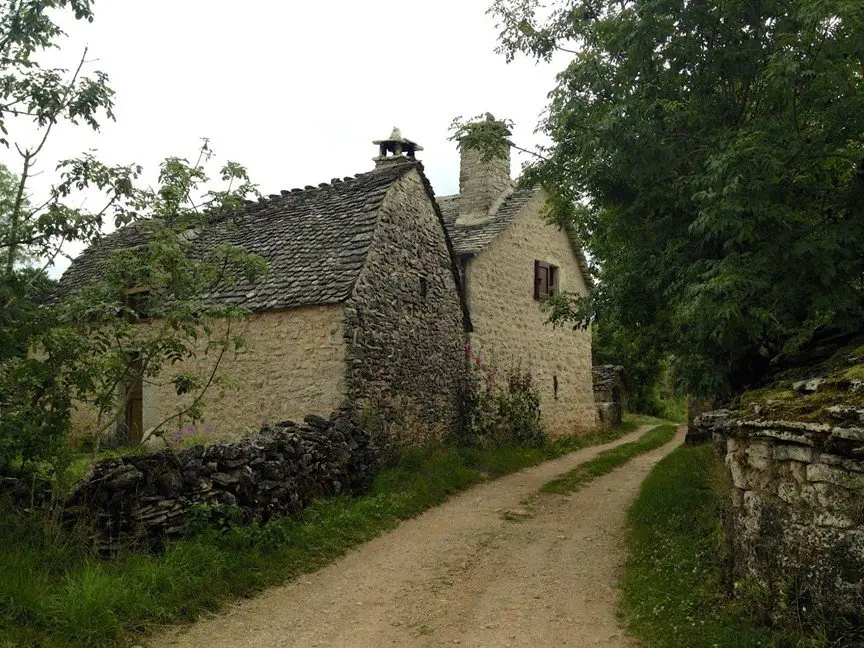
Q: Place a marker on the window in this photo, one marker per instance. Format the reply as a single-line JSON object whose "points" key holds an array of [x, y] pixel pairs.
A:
{"points": [[137, 300], [555, 386], [424, 287], [545, 279]]}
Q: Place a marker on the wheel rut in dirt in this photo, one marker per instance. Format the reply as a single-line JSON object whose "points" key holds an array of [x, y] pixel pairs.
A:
{"points": [[498, 565]]}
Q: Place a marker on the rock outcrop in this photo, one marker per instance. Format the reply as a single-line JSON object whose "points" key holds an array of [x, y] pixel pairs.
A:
{"points": [[143, 499]]}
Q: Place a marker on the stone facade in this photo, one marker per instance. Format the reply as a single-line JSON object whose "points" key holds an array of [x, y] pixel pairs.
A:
{"points": [[294, 365], [510, 328], [404, 330]]}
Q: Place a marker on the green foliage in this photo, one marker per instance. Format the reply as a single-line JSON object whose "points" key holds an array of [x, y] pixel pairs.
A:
{"points": [[710, 156], [483, 133], [609, 460], [501, 410], [55, 594], [674, 592], [89, 346]]}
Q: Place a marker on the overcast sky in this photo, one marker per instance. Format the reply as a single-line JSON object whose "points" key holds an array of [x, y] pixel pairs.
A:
{"points": [[296, 91]]}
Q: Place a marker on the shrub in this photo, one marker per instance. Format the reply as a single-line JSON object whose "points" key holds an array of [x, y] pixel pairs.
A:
{"points": [[500, 408]]}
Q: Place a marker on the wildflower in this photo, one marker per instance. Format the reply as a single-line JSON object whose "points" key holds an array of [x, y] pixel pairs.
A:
{"points": [[468, 349]]}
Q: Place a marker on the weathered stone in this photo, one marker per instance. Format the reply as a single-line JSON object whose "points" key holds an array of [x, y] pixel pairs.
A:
{"points": [[124, 478], [405, 342], [703, 427], [139, 499], [809, 386], [795, 513], [787, 452]]}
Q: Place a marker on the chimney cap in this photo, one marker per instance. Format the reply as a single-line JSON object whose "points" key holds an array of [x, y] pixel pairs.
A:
{"points": [[392, 149], [396, 138]]}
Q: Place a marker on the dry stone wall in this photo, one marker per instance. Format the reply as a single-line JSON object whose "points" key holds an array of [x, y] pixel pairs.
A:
{"points": [[404, 328], [608, 390], [139, 500], [795, 512]]}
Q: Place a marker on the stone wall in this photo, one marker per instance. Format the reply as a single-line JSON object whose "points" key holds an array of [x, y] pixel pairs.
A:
{"points": [[139, 500], [608, 394], [795, 514], [510, 328], [404, 328], [294, 364]]}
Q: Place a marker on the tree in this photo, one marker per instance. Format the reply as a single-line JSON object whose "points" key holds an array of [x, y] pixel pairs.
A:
{"points": [[84, 347], [710, 154]]}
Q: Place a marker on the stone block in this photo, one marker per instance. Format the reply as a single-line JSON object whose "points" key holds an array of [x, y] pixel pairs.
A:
{"points": [[790, 452], [822, 472], [758, 455], [739, 479]]}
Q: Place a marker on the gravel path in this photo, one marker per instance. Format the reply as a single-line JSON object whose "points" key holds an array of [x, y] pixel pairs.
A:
{"points": [[499, 565]]}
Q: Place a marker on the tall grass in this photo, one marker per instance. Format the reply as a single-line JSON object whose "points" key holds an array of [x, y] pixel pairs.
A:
{"points": [[55, 594]]}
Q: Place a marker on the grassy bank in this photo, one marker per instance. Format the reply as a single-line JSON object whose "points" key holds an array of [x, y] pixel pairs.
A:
{"points": [[673, 593], [54, 593], [609, 460]]}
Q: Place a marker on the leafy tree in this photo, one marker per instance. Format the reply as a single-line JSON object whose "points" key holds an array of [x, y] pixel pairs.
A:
{"points": [[711, 156], [83, 348]]}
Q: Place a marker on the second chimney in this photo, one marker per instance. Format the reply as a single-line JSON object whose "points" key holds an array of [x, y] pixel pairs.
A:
{"points": [[482, 182]]}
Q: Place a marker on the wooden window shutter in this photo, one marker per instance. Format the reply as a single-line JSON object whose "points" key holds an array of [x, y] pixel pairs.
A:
{"points": [[541, 280]]}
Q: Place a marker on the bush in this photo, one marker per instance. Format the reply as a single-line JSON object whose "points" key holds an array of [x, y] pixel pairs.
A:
{"points": [[501, 409]]}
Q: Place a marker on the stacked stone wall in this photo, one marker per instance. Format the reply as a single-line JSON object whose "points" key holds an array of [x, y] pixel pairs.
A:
{"points": [[795, 514], [139, 500]]}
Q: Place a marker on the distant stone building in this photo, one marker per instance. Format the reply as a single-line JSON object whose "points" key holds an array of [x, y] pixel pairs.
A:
{"points": [[510, 258], [360, 308], [609, 394]]}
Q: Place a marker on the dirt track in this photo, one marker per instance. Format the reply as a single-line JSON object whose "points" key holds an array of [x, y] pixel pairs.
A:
{"points": [[483, 569]]}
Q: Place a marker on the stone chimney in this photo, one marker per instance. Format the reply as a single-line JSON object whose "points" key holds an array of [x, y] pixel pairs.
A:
{"points": [[395, 149], [483, 183]]}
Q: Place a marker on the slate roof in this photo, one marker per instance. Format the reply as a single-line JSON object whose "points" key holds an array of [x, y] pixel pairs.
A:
{"points": [[314, 240], [471, 239]]}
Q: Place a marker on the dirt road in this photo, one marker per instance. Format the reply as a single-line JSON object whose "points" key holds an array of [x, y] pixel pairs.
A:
{"points": [[484, 569]]}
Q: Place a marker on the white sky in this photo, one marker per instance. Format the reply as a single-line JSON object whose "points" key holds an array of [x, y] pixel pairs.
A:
{"points": [[295, 91]]}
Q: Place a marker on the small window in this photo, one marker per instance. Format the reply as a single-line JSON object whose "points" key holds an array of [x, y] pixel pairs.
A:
{"points": [[555, 386], [424, 287], [545, 279], [137, 300]]}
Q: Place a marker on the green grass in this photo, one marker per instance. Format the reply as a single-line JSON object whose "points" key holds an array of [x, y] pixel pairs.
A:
{"points": [[673, 592], [55, 594], [608, 460], [633, 418]]}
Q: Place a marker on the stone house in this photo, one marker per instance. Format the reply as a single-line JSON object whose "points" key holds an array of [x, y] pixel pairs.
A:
{"points": [[510, 258], [360, 309], [373, 291]]}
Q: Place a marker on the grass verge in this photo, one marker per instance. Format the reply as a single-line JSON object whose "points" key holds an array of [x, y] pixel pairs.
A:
{"points": [[608, 460], [673, 592], [55, 594]]}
